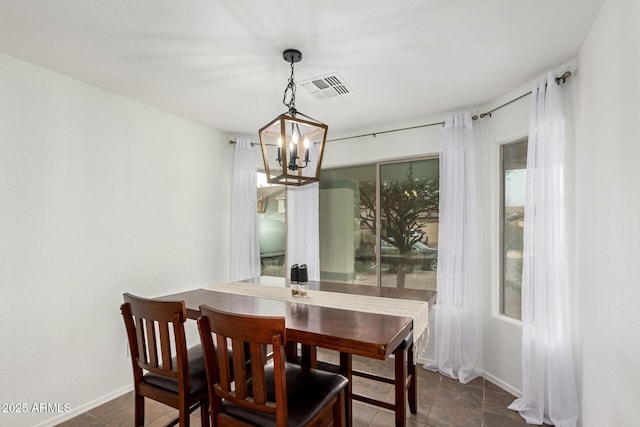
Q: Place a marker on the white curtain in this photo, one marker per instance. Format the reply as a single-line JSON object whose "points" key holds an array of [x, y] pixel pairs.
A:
{"points": [[548, 383], [303, 224], [303, 228], [245, 252], [456, 326]]}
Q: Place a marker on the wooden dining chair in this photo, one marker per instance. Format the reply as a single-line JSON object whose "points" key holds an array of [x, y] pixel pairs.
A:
{"points": [[163, 368], [273, 393], [403, 381]]}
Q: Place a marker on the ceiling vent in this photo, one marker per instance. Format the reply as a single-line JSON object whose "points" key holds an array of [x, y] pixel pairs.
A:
{"points": [[324, 87]]}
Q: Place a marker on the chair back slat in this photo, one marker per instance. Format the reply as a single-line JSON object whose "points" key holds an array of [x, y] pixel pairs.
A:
{"points": [[239, 370], [257, 373], [224, 375], [138, 331], [165, 346], [148, 334]]}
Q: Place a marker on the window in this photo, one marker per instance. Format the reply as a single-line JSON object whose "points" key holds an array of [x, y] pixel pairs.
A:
{"points": [[272, 226], [514, 164], [379, 224]]}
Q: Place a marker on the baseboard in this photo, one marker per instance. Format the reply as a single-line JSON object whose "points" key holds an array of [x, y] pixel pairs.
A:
{"points": [[507, 387], [502, 384], [85, 407]]}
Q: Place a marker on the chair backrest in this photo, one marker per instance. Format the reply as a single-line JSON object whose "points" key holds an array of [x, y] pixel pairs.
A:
{"points": [[250, 389], [155, 330]]}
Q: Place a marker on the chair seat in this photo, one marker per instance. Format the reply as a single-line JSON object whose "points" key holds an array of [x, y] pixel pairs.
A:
{"points": [[197, 374], [308, 390]]}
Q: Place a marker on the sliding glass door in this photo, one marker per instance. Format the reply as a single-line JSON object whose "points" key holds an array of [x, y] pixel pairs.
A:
{"points": [[379, 224]]}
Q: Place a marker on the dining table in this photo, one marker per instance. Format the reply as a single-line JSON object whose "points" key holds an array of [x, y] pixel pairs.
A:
{"points": [[312, 323]]}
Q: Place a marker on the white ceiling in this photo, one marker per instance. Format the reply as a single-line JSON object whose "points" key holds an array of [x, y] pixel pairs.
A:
{"points": [[220, 62]]}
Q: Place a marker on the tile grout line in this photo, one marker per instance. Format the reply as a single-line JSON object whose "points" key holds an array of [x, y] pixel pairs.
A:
{"points": [[103, 422], [435, 395], [484, 393]]}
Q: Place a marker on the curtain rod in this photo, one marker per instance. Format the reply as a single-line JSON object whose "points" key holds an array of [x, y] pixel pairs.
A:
{"points": [[373, 134], [563, 78], [366, 134]]}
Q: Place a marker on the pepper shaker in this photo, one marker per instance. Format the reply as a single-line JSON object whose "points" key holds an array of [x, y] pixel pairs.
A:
{"points": [[303, 280]]}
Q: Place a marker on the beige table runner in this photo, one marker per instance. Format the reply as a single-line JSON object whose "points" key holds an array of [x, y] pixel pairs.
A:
{"points": [[417, 310]]}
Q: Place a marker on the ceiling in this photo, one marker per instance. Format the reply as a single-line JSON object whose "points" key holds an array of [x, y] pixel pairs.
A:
{"points": [[220, 62]]}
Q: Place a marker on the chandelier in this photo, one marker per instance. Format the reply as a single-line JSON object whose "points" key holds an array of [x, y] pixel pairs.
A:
{"points": [[298, 139]]}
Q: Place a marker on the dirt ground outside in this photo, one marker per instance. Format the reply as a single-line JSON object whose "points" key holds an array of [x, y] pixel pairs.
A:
{"points": [[417, 279]]}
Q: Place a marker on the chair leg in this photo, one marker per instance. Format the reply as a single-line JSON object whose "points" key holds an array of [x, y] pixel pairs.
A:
{"points": [[346, 369], [339, 419], [139, 409], [204, 413], [184, 415]]}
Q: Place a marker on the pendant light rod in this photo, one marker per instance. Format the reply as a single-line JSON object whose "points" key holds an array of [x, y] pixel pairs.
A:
{"points": [[292, 56]]}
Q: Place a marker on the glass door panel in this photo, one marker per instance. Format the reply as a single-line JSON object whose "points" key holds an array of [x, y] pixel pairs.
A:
{"points": [[408, 197], [272, 227], [347, 235]]}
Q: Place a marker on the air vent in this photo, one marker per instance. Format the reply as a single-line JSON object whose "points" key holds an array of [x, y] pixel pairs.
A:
{"points": [[325, 87]]}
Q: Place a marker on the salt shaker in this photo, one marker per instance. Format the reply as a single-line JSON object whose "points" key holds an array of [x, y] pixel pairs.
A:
{"points": [[294, 279]]}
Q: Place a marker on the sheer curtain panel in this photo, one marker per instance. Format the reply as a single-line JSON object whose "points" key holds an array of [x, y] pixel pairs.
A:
{"points": [[548, 383], [303, 224], [456, 326], [245, 252], [303, 228]]}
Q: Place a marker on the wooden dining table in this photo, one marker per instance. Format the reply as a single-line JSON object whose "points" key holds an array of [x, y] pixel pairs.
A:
{"points": [[349, 332]]}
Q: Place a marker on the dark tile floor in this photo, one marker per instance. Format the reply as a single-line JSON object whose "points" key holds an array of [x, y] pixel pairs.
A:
{"points": [[441, 402]]}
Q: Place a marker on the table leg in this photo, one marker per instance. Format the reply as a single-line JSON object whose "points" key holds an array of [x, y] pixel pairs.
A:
{"points": [[291, 351], [400, 355], [309, 356], [413, 392], [346, 369]]}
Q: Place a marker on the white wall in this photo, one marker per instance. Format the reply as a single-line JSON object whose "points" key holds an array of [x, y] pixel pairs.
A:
{"points": [[369, 149], [502, 336], [608, 225], [98, 195]]}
